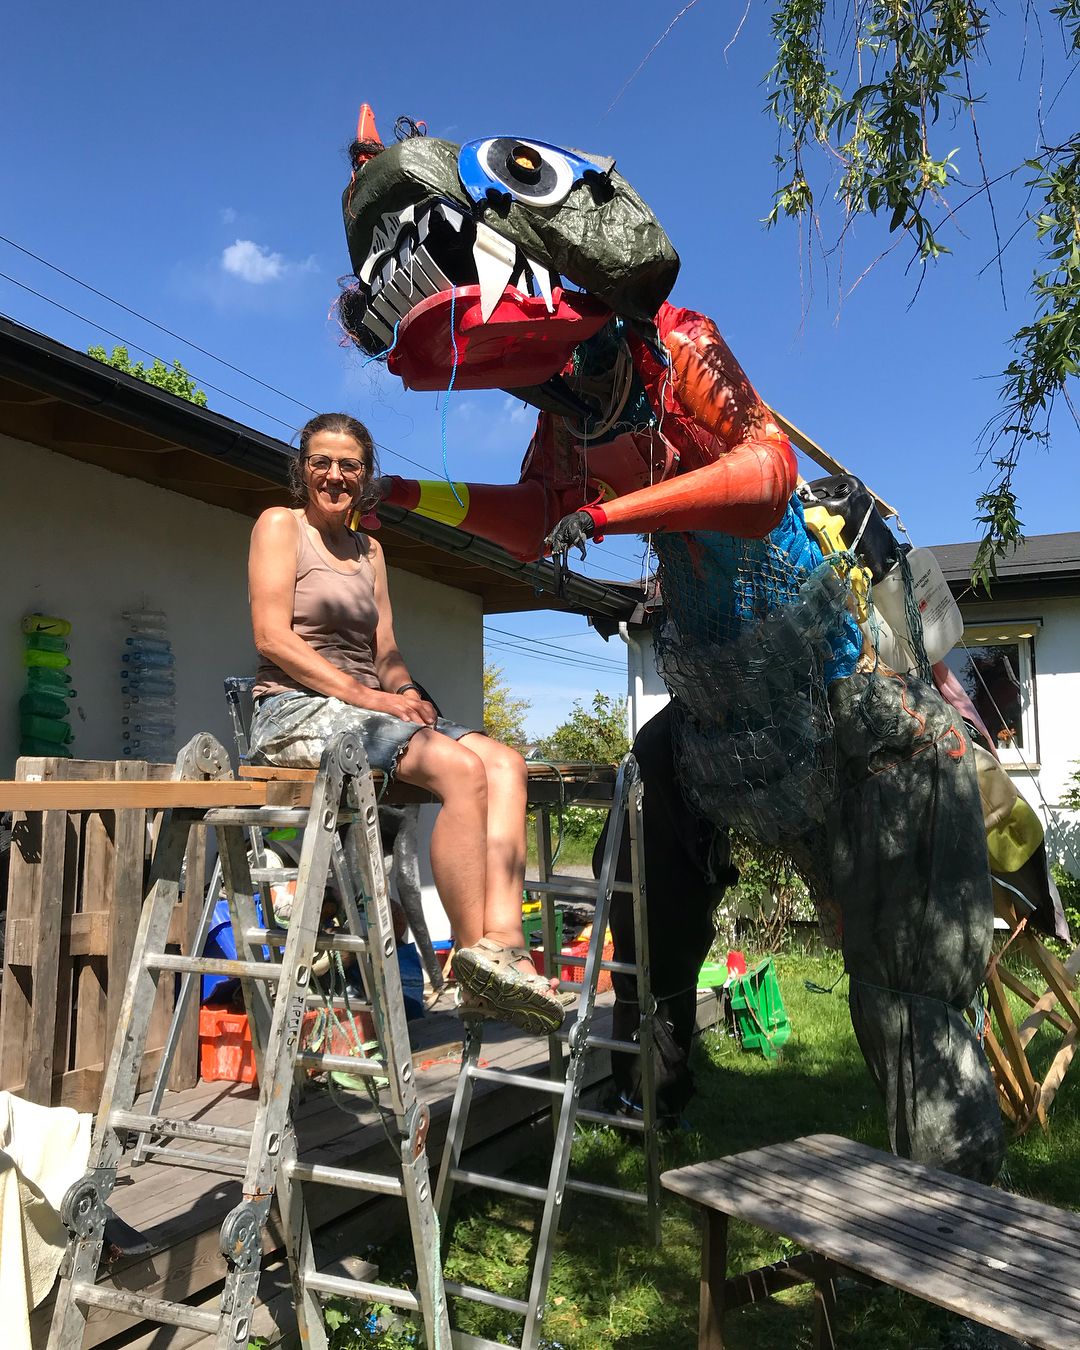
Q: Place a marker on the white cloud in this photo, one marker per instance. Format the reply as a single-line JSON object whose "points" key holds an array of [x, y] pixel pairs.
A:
{"points": [[228, 215], [253, 263]]}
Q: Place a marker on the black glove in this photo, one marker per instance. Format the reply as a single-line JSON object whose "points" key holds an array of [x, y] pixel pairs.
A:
{"points": [[571, 532]]}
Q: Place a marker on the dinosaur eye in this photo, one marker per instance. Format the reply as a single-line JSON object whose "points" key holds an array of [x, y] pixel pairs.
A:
{"points": [[531, 172]]}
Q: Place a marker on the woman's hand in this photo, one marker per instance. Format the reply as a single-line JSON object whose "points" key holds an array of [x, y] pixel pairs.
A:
{"points": [[410, 707]]}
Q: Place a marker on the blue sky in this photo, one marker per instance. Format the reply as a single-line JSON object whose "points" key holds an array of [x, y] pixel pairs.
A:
{"points": [[189, 163]]}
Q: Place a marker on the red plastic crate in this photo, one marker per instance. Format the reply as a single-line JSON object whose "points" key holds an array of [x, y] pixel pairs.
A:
{"points": [[575, 974]]}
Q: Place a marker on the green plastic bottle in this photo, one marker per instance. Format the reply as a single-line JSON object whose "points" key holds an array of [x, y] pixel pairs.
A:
{"points": [[32, 656], [49, 749], [46, 623], [44, 703], [45, 729], [45, 642], [54, 681]]}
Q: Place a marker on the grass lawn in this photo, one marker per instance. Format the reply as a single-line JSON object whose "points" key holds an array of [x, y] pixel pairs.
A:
{"points": [[609, 1289]]}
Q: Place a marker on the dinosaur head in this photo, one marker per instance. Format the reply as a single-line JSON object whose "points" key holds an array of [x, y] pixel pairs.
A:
{"points": [[489, 262]]}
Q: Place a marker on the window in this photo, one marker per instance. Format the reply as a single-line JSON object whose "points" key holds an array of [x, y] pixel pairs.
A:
{"points": [[996, 665]]}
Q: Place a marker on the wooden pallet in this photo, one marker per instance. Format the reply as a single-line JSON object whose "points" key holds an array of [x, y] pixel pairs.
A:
{"points": [[75, 892], [1024, 1098]]}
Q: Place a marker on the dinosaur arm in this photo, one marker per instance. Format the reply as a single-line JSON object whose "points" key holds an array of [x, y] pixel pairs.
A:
{"points": [[743, 493], [516, 516]]}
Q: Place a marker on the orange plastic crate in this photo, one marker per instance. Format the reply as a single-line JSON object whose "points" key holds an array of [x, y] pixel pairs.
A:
{"points": [[225, 1050], [226, 1053]]}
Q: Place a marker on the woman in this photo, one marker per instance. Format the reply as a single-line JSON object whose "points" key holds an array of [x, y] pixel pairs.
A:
{"points": [[323, 627]]}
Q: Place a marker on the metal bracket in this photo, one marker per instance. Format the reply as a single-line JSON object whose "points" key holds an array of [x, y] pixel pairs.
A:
{"points": [[240, 1233], [83, 1210], [419, 1124]]}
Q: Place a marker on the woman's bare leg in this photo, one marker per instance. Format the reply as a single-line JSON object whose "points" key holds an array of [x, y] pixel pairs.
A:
{"points": [[507, 790], [459, 850]]}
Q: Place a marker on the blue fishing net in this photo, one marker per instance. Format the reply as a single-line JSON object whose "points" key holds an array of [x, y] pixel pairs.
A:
{"points": [[754, 630]]}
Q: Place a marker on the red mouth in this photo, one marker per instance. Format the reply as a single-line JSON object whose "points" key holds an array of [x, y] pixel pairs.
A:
{"points": [[444, 339]]}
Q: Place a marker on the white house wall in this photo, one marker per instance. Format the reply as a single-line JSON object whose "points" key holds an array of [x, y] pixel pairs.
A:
{"points": [[83, 543]]}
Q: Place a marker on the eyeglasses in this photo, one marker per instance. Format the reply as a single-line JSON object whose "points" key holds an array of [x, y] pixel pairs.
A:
{"points": [[348, 468]]}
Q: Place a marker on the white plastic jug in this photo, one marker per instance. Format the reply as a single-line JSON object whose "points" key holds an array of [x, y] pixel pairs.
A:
{"points": [[942, 621]]}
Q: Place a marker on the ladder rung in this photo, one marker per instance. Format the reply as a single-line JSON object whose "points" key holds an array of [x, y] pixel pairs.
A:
{"points": [[605, 1043], [152, 1309], [574, 886], [352, 1064], [522, 1080], [361, 1291], [338, 1003], [214, 965], [199, 1162], [610, 1118], [619, 967], [169, 1128], [345, 1177], [325, 942], [519, 1188], [273, 817], [608, 1192], [477, 1295]]}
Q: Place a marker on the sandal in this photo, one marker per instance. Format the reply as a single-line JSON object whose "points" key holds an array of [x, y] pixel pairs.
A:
{"points": [[494, 986]]}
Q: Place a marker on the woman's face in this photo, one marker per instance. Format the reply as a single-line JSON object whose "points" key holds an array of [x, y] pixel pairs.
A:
{"points": [[335, 469]]}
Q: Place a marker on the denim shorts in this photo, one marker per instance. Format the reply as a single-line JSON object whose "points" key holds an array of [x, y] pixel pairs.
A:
{"points": [[291, 731]]}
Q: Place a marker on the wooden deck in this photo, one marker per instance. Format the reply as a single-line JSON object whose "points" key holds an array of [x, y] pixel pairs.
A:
{"points": [[180, 1210]]}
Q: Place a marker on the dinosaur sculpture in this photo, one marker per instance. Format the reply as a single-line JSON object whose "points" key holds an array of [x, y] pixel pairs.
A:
{"points": [[511, 263]]}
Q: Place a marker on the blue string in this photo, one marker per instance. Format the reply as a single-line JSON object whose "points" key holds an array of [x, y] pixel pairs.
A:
{"points": [[446, 399], [381, 356]]}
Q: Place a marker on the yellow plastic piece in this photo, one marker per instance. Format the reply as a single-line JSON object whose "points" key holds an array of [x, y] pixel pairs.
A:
{"points": [[827, 530], [1012, 843], [437, 501]]}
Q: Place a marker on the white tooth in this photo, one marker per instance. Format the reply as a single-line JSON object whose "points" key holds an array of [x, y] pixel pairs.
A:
{"points": [[542, 277], [494, 257], [453, 218]]}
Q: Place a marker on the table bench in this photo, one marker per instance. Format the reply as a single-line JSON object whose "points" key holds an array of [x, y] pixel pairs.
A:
{"points": [[1003, 1260]]}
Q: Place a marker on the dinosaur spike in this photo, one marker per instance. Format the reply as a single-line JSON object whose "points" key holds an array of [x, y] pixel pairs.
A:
{"points": [[365, 126]]}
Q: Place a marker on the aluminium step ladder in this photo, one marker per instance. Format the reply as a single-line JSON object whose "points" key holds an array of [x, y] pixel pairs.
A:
{"points": [[567, 1060], [274, 967]]}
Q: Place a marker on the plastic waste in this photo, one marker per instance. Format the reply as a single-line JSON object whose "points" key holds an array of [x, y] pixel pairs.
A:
{"points": [[44, 703], [46, 623], [49, 729], [45, 642], [30, 745], [942, 622], [50, 660], [57, 681]]}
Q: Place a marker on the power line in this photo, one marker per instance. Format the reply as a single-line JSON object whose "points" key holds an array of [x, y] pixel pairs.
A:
{"points": [[524, 637], [533, 655]]}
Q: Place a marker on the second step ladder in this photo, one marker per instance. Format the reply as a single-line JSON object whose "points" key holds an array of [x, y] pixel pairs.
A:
{"points": [[568, 1053]]}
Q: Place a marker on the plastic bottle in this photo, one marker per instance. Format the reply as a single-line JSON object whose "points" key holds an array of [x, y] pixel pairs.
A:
{"points": [[941, 618], [45, 642], [144, 642], [49, 660], [143, 617], [46, 623], [148, 660], [29, 745], [55, 681], [44, 703], [45, 728]]}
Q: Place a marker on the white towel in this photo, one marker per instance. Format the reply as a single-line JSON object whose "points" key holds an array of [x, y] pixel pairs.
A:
{"points": [[42, 1151]]}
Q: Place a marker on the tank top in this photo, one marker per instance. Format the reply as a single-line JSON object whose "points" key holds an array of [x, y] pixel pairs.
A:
{"points": [[334, 612]]}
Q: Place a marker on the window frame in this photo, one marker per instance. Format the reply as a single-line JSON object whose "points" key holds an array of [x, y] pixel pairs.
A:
{"points": [[1023, 634]]}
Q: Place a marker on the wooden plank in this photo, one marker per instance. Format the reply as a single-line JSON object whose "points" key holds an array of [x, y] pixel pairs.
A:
{"points": [[125, 901], [1058, 1068], [824, 460], [1010, 1043], [185, 1067], [23, 908], [56, 834], [88, 932], [143, 796]]}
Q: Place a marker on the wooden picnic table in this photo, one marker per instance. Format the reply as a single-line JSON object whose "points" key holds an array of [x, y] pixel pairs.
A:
{"points": [[1004, 1260]]}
